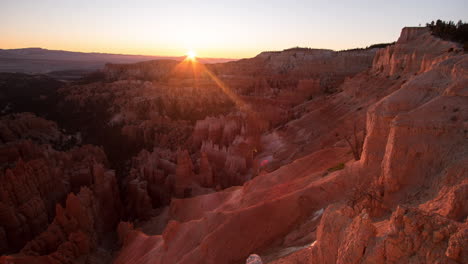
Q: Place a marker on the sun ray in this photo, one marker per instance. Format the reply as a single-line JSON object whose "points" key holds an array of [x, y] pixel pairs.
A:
{"points": [[199, 68]]}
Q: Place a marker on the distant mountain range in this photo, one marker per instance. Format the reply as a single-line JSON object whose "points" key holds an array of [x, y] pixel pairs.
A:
{"points": [[38, 60]]}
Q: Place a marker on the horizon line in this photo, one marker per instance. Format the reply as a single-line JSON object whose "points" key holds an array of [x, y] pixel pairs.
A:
{"points": [[182, 56]]}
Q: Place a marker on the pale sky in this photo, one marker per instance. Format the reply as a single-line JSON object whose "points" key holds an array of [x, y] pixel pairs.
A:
{"points": [[228, 29]]}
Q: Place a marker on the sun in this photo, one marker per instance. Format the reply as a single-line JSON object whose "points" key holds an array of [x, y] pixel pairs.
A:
{"points": [[191, 55]]}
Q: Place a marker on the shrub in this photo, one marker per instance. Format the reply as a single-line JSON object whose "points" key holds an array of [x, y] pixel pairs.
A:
{"points": [[338, 167], [356, 144]]}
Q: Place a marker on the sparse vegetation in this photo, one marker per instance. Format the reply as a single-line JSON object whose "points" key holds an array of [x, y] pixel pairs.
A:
{"points": [[374, 46], [297, 48], [367, 197], [357, 143], [338, 167], [448, 30]]}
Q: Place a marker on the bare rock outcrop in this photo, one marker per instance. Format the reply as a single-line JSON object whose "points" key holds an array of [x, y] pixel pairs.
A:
{"points": [[30, 189], [35, 177], [184, 176], [79, 226], [206, 174], [254, 259], [409, 235], [415, 51]]}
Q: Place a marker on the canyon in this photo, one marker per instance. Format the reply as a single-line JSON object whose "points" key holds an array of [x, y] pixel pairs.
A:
{"points": [[294, 156]]}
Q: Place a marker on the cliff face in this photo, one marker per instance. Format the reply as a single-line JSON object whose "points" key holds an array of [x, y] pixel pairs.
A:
{"points": [[401, 202], [417, 136], [416, 51]]}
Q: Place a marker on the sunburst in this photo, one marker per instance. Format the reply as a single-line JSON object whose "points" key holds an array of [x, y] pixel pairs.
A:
{"points": [[191, 55]]}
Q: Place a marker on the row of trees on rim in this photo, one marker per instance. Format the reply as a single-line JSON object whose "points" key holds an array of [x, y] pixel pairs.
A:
{"points": [[448, 30]]}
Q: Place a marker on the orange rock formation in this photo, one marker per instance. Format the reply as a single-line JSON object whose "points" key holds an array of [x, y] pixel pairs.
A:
{"points": [[250, 162]]}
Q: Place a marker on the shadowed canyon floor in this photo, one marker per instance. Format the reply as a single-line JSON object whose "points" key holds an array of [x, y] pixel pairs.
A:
{"points": [[298, 156]]}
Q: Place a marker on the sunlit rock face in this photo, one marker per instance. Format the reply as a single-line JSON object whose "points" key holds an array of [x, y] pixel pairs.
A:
{"points": [[409, 235], [401, 202], [417, 51]]}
